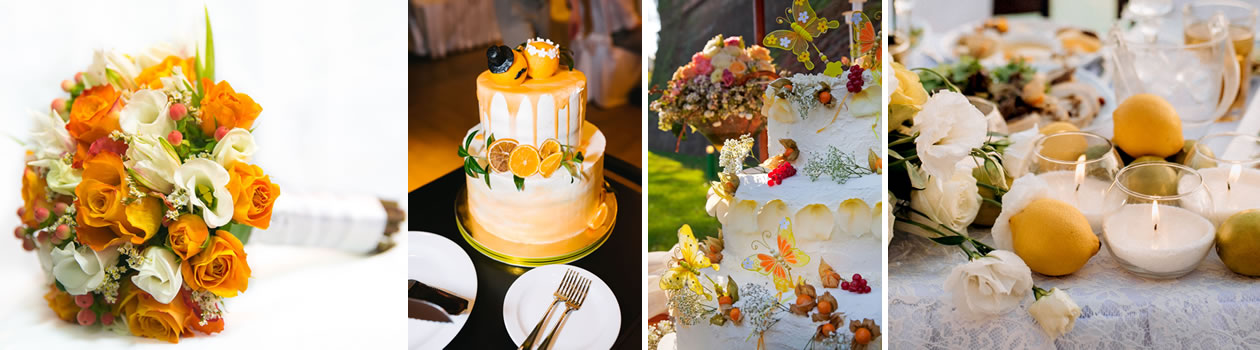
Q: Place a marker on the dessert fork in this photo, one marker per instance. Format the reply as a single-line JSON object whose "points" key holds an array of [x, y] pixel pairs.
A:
{"points": [[562, 294], [573, 303]]}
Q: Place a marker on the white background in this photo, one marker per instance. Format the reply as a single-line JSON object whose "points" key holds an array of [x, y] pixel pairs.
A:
{"points": [[331, 78]]}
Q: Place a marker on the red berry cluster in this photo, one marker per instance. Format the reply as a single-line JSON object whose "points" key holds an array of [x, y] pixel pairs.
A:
{"points": [[781, 172], [855, 79], [858, 285]]}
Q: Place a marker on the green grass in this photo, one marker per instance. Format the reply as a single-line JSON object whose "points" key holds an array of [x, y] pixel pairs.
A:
{"points": [[676, 196]]}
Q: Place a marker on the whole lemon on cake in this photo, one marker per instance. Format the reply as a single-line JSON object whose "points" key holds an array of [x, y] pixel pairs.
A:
{"points": [[1053, 237], [1238, 242], [1147, 125]]}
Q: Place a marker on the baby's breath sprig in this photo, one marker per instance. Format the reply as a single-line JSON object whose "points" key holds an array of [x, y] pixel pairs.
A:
{"points": [[839, 165], [211, 305], [761, 306], [134, 258], [734, 152], [687, 308]]}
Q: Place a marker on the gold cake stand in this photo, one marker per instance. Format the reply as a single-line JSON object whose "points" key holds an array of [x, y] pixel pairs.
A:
{"points": [[534, 255]]}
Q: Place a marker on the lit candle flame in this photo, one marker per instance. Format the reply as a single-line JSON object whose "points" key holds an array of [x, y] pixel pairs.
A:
{"points": [[1234, 172], [1080, 171], [1155, 220]]}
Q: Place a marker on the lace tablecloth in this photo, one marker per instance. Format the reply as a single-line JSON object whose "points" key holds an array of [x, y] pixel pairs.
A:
{"points": [[1210, 308]]}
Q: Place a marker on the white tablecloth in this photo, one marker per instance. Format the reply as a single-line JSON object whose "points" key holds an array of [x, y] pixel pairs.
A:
{"points": [[1208, 309], [331, 77]]}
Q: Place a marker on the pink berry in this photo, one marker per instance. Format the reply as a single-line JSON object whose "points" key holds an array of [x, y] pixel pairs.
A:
{"points": [[107, 319], [84, 300], [28, 244], [60, 208], [19, 233], [21, 211], [178, 111], [41, 214], [43, 237], [78, 77], [59, 104], [67, 85], [220, 132], [62, 232], [175, 137], [87, 317]]}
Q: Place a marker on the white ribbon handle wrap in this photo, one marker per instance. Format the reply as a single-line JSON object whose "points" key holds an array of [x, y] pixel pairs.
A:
{"points": [[354, 223]]}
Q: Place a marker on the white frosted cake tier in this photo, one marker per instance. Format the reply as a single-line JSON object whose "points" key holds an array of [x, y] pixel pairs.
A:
{"points": [[821, 126], [547, 210], [536, 110]]}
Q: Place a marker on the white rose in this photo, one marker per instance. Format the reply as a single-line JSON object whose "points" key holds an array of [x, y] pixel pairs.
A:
{"points": [[49, 136], [159, 274], [1055, 312], [105, 61], [61, 178], [147, 113], [953, 201], [949, 128], [989, 285], [206, 184], [80, 269], [713, 46], [1015, 157], [721, 61], [154, 162], [236, 146]]}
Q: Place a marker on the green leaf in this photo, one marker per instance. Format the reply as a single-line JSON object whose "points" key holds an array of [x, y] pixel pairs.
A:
{"points": [[950, 240], [468, 167], [732, 289], [489, 140], [487, 179], [208, 70], [718, 319], [468, 140], [520, 182], [241, 231]]}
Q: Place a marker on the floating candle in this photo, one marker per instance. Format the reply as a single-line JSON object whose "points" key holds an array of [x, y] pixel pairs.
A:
{"points": [[1158, 241], [1082, 192], [1233, 189]]}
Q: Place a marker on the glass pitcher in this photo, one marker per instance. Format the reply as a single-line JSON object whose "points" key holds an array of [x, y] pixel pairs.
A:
{"points": [[1200, 80]]}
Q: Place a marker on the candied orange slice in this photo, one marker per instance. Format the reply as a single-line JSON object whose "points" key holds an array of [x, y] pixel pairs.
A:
{"points": [[549, 147], [500, 153], [524, 161], [601, 214], [549, 164]]}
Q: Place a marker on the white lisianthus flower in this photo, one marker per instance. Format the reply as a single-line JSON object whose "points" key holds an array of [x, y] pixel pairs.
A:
{"points": [[44, 252], [206, 184], [1015, 157], [147, 113], [49, 136], [104, 62], [953, 201], [236, 146], [1055, 312], [949, 128], [989, 285], [61, 178], [155, 54], [159, 274], [80, 269], [154, 162]]}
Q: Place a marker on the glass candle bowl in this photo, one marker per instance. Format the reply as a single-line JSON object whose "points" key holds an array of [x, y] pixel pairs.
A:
{"points": [[1156, 222], [1080, 163], [1228, 163]]}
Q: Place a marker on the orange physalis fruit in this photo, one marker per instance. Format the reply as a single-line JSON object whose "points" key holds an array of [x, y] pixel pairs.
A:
{"points": [[524, 161], [549, 165], [735, 314], [725, 300], [862, 336], [824, 97], [803, 299], [824, 307], [500, 153], [828, 329]]}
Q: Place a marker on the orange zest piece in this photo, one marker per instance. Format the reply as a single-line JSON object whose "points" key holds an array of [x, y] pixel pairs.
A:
{"points": [[549, 164], [500, 153], [524, 161]]}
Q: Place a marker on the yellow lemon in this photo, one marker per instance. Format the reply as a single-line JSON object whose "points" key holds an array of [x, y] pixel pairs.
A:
{"points": [[1064, 148], [1238, 242], [1147, 125], [1152, 181], [1052, 237]]}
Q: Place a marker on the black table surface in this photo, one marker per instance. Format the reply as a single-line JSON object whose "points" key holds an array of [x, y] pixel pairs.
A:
{"points": [[618, 262]]}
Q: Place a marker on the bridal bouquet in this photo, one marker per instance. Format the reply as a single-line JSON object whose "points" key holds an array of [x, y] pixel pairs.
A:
{"points": [[138, 194], [946, 173], [726, 79]]}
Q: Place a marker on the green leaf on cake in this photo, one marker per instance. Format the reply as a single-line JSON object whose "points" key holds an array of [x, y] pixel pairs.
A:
{"points": [[732, 289], [520, 182], [718, 319]]}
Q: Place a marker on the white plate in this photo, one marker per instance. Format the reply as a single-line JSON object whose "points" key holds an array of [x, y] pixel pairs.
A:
{"points": [[439, 262], [1021, 29], [1102, 122], [594, 326]]}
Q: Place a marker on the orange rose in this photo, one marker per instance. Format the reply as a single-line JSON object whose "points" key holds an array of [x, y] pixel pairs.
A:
{"points": [[102, 217], [213, 326], [220, 268], [253, 195], [94, 114], [34, 195], [152, 76], [147, 317], [187, 234], [61, 303], [222, 106]]}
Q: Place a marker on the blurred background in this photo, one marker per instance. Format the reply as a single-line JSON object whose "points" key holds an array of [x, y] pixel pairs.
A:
{"points": [[333, 93], [447, 44], [678, 172]]}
